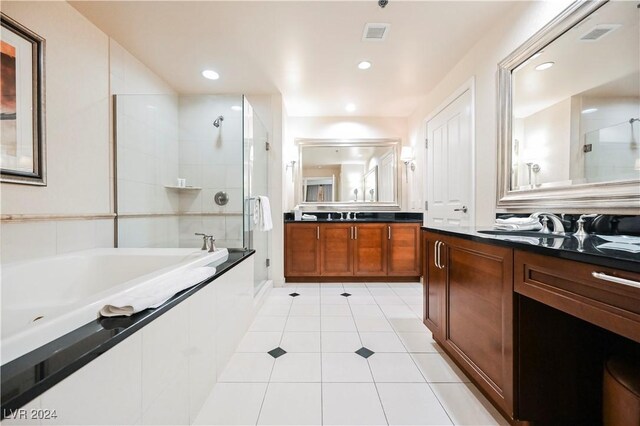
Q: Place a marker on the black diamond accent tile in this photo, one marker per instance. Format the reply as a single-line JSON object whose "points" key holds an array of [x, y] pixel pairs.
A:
{"points": [[346, 294], [294, 294], [277, 352], [364, 352]]}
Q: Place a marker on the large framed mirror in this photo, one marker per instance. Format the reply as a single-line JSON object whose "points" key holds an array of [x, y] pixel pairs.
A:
{"points": [[349, 174], [569, 112]]}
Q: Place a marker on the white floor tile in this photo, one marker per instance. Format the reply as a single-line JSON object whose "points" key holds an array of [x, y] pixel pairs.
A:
{"points": [[268, 324], [306, 300], [301, 341], [379, 341], [388, 300], [292, 404], [259, 341], [351, 404], [342, 310], [303, 324], [394, 368], [340, 342], [385, 291], [248, 367], [232, 404], [334, 300], [278, 300], [411, 404], [297, 367], [361, 300], [345, 367], [414, 325], [398, 311], [302, 310], [357, 290], [304, 285], [377, 285], [419, 342], [465, 405], [439, 368], [337, 324], [371, 311], [365, 324], [418, 310], [275, 310]]}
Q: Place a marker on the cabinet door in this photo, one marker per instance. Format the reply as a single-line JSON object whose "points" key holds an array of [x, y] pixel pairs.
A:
{"points": [[404, 249], [479, 301], [370, 249], [336, 255], [302, 249], [434, 281]]}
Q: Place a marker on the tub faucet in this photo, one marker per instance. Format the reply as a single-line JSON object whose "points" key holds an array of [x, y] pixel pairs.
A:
{"points": [[558, 227], [207, 241]]}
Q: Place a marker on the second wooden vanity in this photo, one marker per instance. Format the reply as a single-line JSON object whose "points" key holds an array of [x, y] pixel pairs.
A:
{"points": [[532, 326], [335, 251]]}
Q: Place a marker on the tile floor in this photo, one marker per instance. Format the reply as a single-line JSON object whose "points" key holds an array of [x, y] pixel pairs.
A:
{"points": [[354, 354]]}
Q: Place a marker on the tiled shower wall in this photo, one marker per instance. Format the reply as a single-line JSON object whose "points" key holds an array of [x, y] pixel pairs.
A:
{"points": [[211, 158], [163, 138]]}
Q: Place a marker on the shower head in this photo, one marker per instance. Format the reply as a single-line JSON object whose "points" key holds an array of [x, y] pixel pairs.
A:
{"points": [[218, 120]]}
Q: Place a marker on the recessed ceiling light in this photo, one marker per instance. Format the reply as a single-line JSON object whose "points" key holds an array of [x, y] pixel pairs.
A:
{"points": [[210, 74], [544, 66], [236, 108], [350, 107], [589, 110], [364, 65]]}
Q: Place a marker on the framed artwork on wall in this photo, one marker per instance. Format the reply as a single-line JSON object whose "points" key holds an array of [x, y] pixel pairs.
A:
{"points": [[22, 117]]}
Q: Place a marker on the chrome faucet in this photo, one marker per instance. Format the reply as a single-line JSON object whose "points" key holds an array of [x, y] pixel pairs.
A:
{"points": [[208, 242], [558, 227], [581, 233]]}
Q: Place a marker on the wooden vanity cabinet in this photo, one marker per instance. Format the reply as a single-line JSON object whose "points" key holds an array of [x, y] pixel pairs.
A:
{"points": [[336, 249], [302, 250], [469, 309], [330, 250], [370, 249], [434, 286], [404, 249]]}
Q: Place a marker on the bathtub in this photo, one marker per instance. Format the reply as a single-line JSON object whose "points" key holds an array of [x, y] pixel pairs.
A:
{"points": [[46, 298]]}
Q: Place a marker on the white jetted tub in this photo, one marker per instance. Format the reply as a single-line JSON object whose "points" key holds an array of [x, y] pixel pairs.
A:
{"points": [[44, 299]]}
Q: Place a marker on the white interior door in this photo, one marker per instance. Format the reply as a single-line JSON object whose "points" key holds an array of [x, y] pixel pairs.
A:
{"points": [[449, 165]]}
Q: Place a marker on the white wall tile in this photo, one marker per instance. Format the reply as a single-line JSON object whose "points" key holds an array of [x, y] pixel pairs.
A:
{"points": [[27, 240], [115, 377]]}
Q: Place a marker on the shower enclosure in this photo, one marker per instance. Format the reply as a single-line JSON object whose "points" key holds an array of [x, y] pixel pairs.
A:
{"points": [[189, 164]]}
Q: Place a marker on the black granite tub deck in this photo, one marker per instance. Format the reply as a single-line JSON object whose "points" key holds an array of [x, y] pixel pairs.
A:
{"points": [[30, 375]]}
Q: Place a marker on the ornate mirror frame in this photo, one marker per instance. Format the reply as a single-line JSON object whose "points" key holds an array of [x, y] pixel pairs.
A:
{"points": [[347, 206], [593, 196]]}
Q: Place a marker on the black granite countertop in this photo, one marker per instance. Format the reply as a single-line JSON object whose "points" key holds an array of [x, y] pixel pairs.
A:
{"points": [[362, 217], [588, 250], [30, 375]]}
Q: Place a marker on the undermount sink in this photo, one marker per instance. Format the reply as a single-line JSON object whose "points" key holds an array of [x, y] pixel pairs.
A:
{"points": [[535, 234]]}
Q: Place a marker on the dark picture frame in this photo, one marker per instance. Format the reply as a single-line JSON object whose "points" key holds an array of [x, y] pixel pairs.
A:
{"points": [[23, 159]]}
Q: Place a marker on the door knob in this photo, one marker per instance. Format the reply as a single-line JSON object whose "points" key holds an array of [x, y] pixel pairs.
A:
{"points": [[463, 209]]}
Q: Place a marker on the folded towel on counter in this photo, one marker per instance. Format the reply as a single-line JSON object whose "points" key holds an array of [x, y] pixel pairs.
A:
{"points": [[309, 217], [155, 293], [512, 227], [262, 214], [518, 221]]}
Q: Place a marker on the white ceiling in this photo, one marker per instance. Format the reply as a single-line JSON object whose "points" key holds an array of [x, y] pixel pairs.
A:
{"points": [[306, 50]]}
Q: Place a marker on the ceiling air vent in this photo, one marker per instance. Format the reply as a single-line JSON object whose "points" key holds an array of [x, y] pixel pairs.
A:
{"points": [[599, 31], [375, 32]]}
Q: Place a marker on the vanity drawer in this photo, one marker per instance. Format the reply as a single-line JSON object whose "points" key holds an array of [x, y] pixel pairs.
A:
{"points": [[572, 287]]}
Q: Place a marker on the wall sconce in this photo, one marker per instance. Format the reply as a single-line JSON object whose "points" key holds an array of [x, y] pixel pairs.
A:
{"points": [[406, 156]]}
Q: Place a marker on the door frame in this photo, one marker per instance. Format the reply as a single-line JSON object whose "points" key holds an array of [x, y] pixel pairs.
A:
{"points": [[469, 85]]}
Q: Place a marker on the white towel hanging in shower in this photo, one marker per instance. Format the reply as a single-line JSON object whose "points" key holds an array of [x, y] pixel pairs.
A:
{"points": [[262, 214]]}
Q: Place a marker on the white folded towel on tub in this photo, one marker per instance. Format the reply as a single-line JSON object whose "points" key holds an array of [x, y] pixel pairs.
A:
{"points": [[155, 293]]}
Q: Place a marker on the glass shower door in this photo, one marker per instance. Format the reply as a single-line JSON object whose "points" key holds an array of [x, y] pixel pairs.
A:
{"points": [[256, 160]]}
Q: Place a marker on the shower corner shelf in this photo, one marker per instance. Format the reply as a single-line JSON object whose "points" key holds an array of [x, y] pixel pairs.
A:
{"points": [[184, 188]]}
